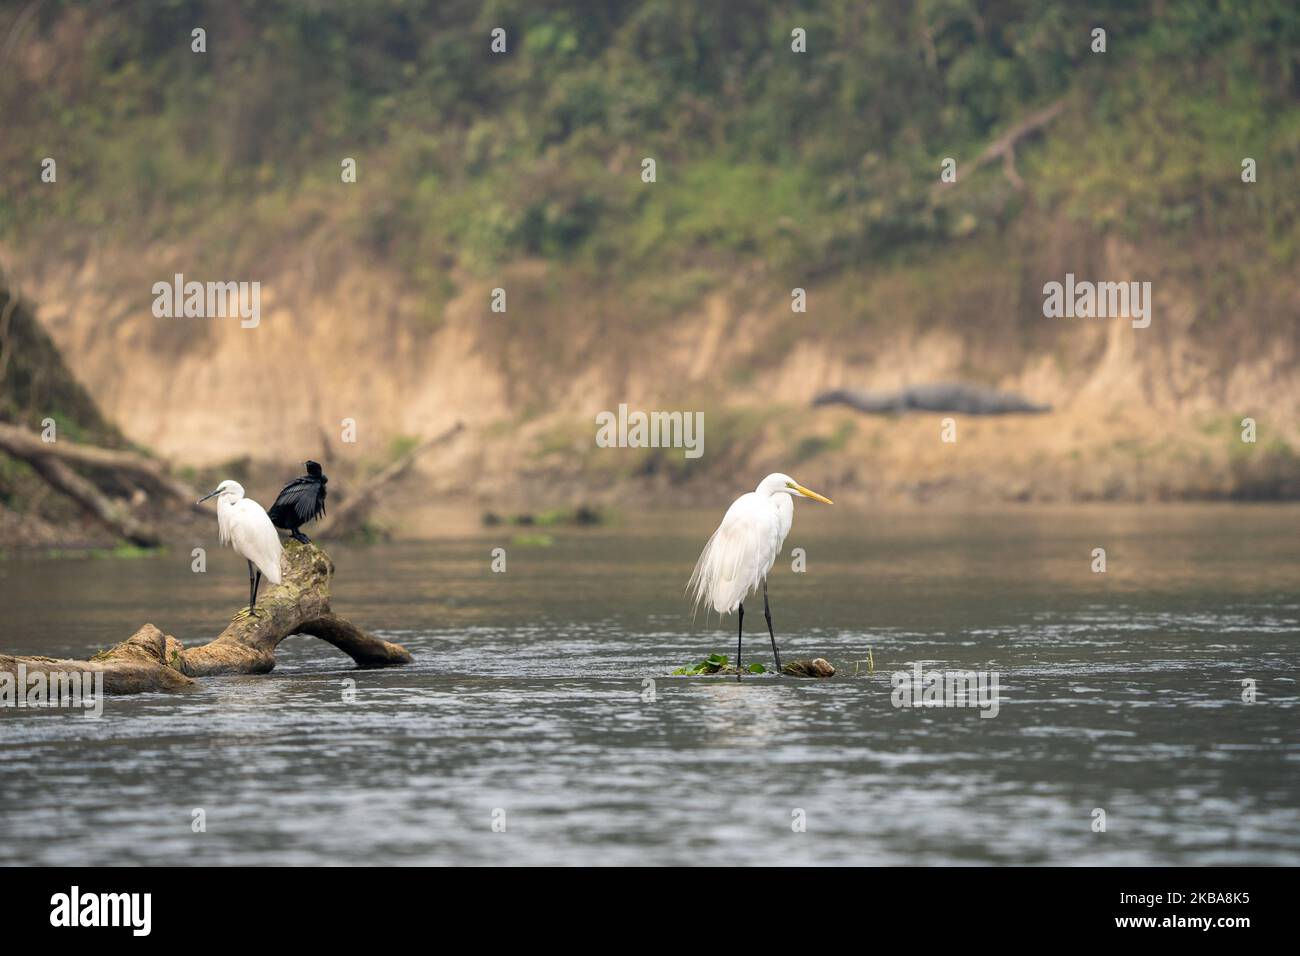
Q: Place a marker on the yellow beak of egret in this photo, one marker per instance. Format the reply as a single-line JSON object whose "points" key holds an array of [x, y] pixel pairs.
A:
{"points": [[809, 493]]}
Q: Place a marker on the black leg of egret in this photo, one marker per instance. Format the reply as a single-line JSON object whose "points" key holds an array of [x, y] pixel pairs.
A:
{"points": [[740, 632], [257, 583], [767, 613], [252, 593]]}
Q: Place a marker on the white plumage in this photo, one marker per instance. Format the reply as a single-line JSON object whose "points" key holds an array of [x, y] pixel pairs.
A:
{"points": [[244, 524], [742, 551]]}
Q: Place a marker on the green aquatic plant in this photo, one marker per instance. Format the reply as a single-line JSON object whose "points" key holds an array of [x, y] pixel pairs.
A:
{"points": [[870, 662], [714, 664], [711, 665]]}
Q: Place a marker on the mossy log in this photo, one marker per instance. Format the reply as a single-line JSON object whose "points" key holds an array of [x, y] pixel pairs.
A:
{"points": [[150, 660]]}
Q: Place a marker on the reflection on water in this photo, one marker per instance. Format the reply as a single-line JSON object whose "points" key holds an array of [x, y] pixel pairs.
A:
{"points": [[1120, 691]]}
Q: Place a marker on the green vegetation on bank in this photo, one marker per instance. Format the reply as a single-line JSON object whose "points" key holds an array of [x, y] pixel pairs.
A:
{"points": [[470, 159], [775, 169]]}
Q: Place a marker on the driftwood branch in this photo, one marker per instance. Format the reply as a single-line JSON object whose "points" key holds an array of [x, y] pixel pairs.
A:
{"points": [[1004, 147], [352, 517], [150, 660]]}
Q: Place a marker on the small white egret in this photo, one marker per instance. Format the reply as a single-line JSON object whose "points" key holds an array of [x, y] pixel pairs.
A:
{"points": [[741, 552], [245, 526]]}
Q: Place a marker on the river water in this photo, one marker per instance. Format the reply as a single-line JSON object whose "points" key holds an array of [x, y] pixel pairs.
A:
{"points": [[527, 732]]}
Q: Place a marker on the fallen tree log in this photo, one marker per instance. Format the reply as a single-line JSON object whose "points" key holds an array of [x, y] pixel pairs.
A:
{"points": [[133, 468], [135, 666], [52, 461], [113, 515], [150, 660]]}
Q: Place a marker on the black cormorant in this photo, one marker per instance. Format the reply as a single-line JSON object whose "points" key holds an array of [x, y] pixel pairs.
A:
{"points": [[302, 500]]}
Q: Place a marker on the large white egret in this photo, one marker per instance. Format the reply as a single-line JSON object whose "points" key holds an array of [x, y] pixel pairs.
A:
{"points": [[245, 526], [738, 557]]}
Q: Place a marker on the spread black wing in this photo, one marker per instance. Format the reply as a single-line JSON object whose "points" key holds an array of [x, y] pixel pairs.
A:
{"points": [[302, 500]]}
